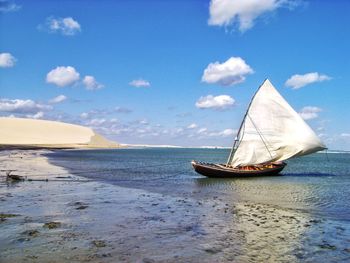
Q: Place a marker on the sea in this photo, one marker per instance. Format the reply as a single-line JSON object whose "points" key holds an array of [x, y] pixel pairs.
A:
{"points": [[317, 185]]}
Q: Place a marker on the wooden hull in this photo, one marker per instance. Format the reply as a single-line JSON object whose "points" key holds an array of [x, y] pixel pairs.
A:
{"points": [[220, 171]]}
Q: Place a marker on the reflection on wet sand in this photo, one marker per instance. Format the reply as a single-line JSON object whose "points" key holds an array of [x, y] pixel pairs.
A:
{"points": [[275, 224], [269, 232]]}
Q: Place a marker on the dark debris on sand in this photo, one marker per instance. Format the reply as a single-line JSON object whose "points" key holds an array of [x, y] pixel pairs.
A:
{"points": [[52, 225], [4, 217], [99, 243]]}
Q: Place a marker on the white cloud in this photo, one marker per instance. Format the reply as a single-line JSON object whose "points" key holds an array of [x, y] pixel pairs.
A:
{"points": [[22, 106], [122, 110], [220, 102], [37, 115], [84, 115], [179, 131], [297, 81], [8, 6], [62, 76], [103, 113], [113, 120], [140, 83], [309, 112], [141, 131], [91, 83], [143, 122], [66, 26], [202, 130], [7, 60], [226, 133], [58, 99], [192, 126], [242, 12], [231, 72], [96, 122], [347, 135]]}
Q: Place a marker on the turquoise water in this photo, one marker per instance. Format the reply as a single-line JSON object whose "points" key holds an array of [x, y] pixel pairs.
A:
{"points": [[318, 183]]}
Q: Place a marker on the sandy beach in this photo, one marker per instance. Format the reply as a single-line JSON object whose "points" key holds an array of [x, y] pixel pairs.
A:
{"points": [[73, 219], [25, 133]]}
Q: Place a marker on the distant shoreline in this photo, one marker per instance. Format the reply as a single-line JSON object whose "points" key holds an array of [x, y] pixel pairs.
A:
{"points": [[172, 146], [125, 146]]}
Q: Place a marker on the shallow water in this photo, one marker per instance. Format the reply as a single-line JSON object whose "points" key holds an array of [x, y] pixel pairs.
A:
{"points": [[155, 208], [303, 215], [318, 183]]}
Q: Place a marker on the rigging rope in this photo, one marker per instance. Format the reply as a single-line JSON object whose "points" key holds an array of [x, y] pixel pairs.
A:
{"points": [[261, 136], [238, 142], [327, 154]]}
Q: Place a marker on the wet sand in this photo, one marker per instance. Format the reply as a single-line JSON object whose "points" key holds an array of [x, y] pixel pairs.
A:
{"points": [[72, 219]]}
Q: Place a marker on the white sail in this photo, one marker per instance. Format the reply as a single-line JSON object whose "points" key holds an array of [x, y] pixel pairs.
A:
{"points": [[272, 131]]}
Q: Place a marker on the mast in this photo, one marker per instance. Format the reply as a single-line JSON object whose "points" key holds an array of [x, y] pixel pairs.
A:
{"points": [[236, 142]]}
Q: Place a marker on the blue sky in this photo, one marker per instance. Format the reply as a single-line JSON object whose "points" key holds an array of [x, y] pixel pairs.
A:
{"points": [[174, 72]]}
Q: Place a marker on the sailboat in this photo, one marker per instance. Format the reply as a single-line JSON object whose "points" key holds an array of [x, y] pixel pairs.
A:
{"points": [[270, 133]]}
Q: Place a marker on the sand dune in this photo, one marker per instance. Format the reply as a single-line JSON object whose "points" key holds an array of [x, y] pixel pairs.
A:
{"points": [[28, 133]]}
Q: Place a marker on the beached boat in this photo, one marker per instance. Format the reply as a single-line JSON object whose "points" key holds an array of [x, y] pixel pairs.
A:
{"points": [[270, 133]]}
